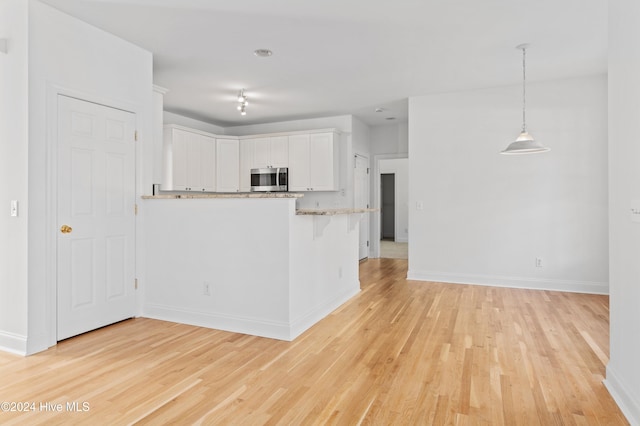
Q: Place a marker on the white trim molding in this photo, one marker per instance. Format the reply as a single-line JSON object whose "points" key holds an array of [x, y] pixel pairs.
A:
{"points": [[374, 233], [302, 324], [512, 282], [280, 330], [13, 343], [235, 324], [629, 404]]}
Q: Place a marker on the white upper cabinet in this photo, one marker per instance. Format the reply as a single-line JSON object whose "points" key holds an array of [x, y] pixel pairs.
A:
{"points": [[246, 164], [227, 165], [299, 163], [279, 151], [270, 152], [313, 162], [194, 160], [260, 153], [189, 161]]}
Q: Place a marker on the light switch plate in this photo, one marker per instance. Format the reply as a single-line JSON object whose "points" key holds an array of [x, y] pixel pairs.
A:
{"points": [[14, 208], [635, 211]]}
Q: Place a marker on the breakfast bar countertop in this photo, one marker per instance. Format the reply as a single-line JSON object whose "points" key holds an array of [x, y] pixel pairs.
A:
{"points": [[333, 212], [225, 195]]}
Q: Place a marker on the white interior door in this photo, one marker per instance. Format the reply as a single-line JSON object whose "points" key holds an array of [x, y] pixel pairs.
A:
{"points": [[95, 215], [361, 191]]}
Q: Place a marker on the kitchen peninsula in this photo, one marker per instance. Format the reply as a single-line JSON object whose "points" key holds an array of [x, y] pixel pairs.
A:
{"points": [[248, 262]]}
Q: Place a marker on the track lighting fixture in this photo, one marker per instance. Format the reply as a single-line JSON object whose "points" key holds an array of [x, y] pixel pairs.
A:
{"points": [[243, 102], [241, 96]]}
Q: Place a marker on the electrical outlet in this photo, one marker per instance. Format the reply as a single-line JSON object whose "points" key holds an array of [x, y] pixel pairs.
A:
{"points": [[206, 289], [538, 262]]}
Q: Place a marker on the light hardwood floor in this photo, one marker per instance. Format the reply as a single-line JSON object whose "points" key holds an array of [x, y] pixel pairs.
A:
{"points": [[394, 250], [399, 353]]}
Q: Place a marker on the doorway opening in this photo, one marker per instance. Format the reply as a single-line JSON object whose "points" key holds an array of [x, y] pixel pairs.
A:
{"points": [[388, 206], [390, 246]]}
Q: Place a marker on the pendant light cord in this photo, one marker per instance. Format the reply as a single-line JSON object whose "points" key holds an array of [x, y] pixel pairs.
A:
{"points": [[524, 91]]}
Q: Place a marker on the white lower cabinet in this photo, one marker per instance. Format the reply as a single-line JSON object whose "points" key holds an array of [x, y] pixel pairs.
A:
{"points": [[313, 162], [227, 165], [189, 161]]}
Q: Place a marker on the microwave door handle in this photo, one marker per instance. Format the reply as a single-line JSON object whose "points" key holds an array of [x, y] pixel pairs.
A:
{"points": [[278, 177]]}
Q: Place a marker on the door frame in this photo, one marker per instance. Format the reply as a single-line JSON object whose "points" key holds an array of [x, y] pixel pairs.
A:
{"points": [[368, 194], [51, 195], [375, 225]]}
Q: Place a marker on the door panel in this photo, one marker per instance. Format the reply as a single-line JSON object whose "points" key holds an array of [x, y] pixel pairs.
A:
{"points": [[96, 197], [82, 274], [116, 273]]}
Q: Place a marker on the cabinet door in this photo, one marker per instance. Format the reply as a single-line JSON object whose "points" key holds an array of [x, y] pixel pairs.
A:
{"points": [[194, 164], [323, 162], [207, 164], [279, 151], [246, 164], [299, 163], [177, 141], [261, 153], [228, 165]]}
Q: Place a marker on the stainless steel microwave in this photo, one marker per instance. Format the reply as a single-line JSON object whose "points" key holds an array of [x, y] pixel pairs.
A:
{"points": [[271, 179]]}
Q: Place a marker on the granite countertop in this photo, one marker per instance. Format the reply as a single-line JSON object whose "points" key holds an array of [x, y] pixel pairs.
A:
{"points": [[333, 212], [225, 195]]}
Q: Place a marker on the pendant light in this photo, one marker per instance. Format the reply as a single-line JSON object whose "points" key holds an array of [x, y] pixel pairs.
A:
{"points": [[524, 144]]}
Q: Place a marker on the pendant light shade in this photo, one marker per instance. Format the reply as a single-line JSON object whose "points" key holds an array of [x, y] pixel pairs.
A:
{"points": [[525, 143]]}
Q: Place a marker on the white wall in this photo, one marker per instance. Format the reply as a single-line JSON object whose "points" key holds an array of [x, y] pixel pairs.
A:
{"points": [[96, 66], [487, 216], [13, 175], [172, 118], [342, 122], [623, 373], [400, 168], [390, 139], [271, 273], [216, 243]]}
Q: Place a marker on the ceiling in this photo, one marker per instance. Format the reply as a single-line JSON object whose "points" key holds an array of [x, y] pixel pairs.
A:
{"points": [[334, 57]]}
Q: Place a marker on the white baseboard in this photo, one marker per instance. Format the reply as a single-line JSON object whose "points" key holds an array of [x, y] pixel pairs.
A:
{"points": [[252, 326], [13, 343], [627, 402], [306, 321], [513, 282], [402, 240]]}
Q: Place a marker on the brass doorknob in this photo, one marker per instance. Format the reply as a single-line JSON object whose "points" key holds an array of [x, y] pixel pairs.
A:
{"points": [[66, 229]]}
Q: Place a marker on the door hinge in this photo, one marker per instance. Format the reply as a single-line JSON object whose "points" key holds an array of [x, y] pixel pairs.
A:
{"points": [[367, 170], [135, 135], [135, 209], [135, 283], [367, 243]]}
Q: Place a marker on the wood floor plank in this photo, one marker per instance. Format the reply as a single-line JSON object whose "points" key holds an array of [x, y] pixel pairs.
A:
{"points": [[400, 352]]}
